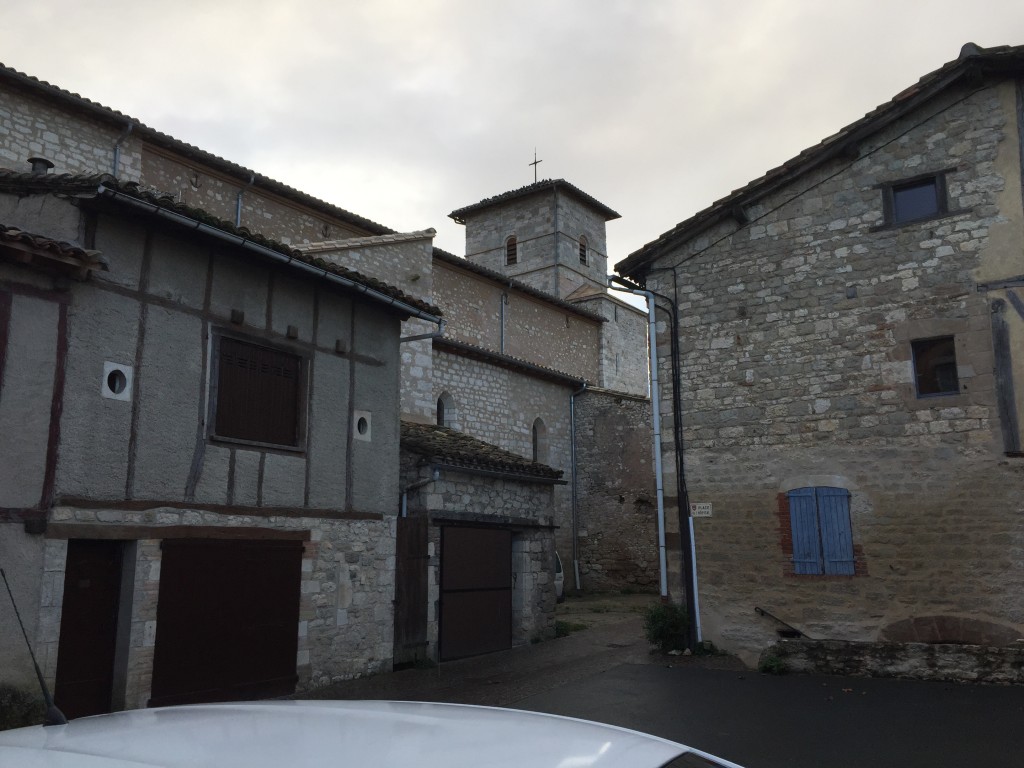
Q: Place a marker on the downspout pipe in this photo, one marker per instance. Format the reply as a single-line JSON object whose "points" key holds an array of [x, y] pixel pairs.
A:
{"points": [[268, 253], [238, 199], [502, 303], [439, 333], [117, 148], [575, 492], [435, 475], [683, 505], [659, 475]]}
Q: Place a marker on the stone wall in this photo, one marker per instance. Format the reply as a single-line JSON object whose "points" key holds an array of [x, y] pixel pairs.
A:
{"points": [[525, 507], [540, 332], [345, 619], [499, 406], [625, 356], [547, 236], [618, 539], [797, 371], [917, 661]]}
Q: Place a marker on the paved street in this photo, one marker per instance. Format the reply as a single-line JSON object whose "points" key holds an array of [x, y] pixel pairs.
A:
{"points": [[607, 673]]}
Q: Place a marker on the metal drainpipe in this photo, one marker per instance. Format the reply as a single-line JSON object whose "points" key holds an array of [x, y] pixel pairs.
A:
{"points": [[575, 494], [502, 303], [656, 419], [238, 199], [117, 148], [435, 475], [441, 325]]}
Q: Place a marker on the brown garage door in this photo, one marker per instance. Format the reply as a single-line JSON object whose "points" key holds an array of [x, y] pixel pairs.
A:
{"points": [[227, 620], [476, 591]]}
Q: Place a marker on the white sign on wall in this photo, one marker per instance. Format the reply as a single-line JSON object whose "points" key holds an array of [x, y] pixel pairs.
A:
{"points": [[700, 509]]}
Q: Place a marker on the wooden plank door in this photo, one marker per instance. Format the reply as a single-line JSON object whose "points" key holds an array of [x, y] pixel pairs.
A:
{"points": [[88, 627]]}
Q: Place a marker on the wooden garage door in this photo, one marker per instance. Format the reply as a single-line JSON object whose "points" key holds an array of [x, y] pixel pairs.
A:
{"points": [[476, 591], [227, 620]]}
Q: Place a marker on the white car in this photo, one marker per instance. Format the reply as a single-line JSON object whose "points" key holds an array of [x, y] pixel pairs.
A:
{"points": [[300, 734]]}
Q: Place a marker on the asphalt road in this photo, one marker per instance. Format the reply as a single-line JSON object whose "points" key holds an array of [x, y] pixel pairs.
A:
{"points": [[804, 721], [607, 672]]}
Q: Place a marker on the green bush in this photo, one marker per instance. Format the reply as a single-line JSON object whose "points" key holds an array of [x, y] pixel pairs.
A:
{"points": [[665, 626], [19, 707], [771, 664]]}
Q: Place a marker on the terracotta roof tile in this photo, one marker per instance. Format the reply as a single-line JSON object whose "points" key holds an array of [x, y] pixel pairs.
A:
{"points": [[88, 187], [29, 248], [447, 446]]}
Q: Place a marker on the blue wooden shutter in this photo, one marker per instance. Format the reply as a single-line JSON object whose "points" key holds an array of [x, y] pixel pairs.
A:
{"points": [[803, 517], [836, 535]]}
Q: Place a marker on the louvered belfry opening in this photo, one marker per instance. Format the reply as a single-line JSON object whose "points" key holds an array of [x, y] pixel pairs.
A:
{"points": [[258, 393]]}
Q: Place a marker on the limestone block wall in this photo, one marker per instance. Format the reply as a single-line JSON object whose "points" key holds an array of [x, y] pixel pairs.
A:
{"points": [[798, 371], [217, 193], [625, 358], [534, 330], [345, 625], [547, 227], [72, 141], [499, 406], [618, 540]]}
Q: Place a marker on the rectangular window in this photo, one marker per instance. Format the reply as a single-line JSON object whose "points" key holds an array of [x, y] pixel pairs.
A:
{"points": [[258, 394], [935, 366], [822, 535], [915, 200]]}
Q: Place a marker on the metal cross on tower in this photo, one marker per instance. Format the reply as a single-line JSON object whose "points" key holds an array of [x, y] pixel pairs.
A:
{"points": [[534, 164]]}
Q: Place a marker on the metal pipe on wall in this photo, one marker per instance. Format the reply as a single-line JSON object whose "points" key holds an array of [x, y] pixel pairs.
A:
{"points": [[575, 493]]}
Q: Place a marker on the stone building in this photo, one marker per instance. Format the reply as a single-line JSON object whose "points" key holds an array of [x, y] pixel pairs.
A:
{"points": [[143, 489], [852, 386], [512, 369]]}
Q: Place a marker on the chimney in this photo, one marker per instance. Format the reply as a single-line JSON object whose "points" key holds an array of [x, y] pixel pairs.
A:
{"points": [[40, 166]]}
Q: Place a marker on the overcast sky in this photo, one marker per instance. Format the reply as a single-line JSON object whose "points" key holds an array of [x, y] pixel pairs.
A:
{"points": [[404, 110]]}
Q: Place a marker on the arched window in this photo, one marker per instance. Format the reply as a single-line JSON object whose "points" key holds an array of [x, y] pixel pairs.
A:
{"points": [[540, 441], [511, 251], [583, 249], [445, 410]]}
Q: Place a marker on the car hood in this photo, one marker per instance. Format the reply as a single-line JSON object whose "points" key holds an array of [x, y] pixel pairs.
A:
{"points": [[334, 733]]}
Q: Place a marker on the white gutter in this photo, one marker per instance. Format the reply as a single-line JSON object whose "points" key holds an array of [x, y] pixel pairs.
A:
{"points": [[269, 253]]}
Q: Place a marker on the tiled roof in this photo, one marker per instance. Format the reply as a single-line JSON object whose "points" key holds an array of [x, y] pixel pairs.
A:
{"points": [[534, 189], [973, 63], [447, 446], [88, 187], [497, 277], [28, 248], [351, 243], [156, 138], [507, 361]]}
